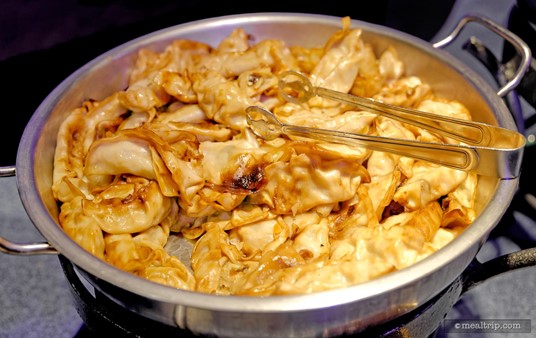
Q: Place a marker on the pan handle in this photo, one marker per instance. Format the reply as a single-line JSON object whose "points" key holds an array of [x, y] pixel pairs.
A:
{"points": [[9, 247], [520, 46], [477, 272], [7, 171]]}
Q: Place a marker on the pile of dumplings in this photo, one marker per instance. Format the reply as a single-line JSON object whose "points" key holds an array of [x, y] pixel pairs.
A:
{"points": [[173, 157]]}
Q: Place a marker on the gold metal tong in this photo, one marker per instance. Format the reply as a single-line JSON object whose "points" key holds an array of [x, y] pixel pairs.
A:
{"points": [[486, 149]]}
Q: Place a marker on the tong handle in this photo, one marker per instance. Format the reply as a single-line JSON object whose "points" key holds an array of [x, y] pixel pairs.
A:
{"points": [[296, 87], [462, 158], [465, 131], [501, 163]]}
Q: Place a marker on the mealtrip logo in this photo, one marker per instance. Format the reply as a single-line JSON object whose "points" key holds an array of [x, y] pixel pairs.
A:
{"points": [[486, 326]]}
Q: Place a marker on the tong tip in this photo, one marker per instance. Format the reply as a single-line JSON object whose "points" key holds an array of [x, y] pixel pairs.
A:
{"points": [[263, 123]]}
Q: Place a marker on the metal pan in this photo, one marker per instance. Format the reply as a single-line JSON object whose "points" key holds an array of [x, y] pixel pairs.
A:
{"points": [[326, 313]]}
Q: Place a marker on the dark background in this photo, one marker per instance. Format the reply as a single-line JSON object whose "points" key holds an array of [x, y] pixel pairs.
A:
{"points": [[42, 42]]}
